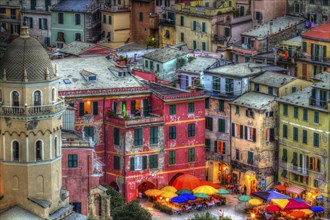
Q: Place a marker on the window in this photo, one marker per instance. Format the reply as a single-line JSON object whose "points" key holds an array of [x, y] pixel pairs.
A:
{"points": [[72, 160], [237, 130], [294, 160], [167, 34], [315, 164], [207, 103], [89, 132], [29, 21], [305, 116], [191, 154], [181, 20], [39, 150], [60, 38], [191, 130], [146, 63], [269, 114], [221, 106], [295, 112], [316, 183], [325, 2], [182, 37], [250, 158], [172, 157], [220, 146], [304, 139], [250, 133], [138, 137], [37, 98], [207, 145], [15, 98], [154, 135], [311, 1], [258, 16], [237, 110], [249, 113], [285, 131], [159, 2], [194, 45], [237, 154], [304, 46], [285, 155], [141, 16], [153, 161], [203, 45], [270, 134], [116, 163], [256, 87], [151, 65], [316, 140], [172, 132], [209, 123], [15, 151], [229, 86], [172, 109], [109, 19], [33, 4], [47, 4], [284, 173], [270, 90], [216, 84], [76, 206], [138, 163], [316, 117], [191, 107], [60, 18], [227, 32], [285, 109], [246, 59], [88, 107], [157, 67], [221, 125], [116, 136], [77, 19], [203, 27], [295, 134], [78, 37]]}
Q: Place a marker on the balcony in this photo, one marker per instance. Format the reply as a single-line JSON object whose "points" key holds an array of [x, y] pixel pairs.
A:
{"points": [[319, 103], [218, 157], [131, 121], [324, 61], [294, 169], [166, 21], [29, 111], [10, 19], [219, 39]]}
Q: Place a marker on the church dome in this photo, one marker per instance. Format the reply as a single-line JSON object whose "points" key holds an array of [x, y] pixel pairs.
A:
{"points": [[25, 60]]}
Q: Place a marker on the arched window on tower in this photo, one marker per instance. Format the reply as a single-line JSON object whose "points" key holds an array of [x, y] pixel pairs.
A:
{"points": [[55, 146], [15, 101], [37, 98], [39, 150], [15, 150], [53, 95]]}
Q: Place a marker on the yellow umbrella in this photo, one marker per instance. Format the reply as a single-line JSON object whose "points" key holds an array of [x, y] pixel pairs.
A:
{"points": [[307, 211], [280, 202], [153, 192], [169, 189], [209, 190], [168, 194], [255, 202]]}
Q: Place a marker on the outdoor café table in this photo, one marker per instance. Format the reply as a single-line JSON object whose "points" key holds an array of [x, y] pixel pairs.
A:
{"points": [[188, 209], [199, 207], [217, 202]]}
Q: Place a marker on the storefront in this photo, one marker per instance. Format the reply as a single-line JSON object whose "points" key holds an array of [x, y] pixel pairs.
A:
{"points": [[218, 172]]}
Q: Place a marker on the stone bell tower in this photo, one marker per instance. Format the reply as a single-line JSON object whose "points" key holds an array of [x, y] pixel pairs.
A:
{"points": [[30, 130]]}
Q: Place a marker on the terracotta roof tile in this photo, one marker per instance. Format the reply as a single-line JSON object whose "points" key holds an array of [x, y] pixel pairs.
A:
{"points": [[321, 31]]}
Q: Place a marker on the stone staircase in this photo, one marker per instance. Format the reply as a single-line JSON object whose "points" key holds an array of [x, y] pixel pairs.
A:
{"points": [[61, 213]]}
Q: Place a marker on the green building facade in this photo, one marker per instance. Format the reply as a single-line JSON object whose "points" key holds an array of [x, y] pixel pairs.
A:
{"points": [[304, 141]]}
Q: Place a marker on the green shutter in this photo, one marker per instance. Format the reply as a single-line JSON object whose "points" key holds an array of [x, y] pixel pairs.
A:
{"points": [[153, 135], [191, 107], [284, 173], [146, 110], [324, 53], [116, 135], [137, 136], [154, 161], [95, 108], [223, 147], [133, 107], [294, 159], [285, 155], [144, 162], [318, 164], [221, 125], [304, 44], [221, 106], [81, 109], [116, 161], [132, 164], [316, 139], [40, 23], [172, 157]]}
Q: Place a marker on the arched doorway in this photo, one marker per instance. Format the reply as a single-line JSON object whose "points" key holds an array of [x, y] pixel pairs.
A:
{"points": [[144, 187], [174, 178], [114, 186]]}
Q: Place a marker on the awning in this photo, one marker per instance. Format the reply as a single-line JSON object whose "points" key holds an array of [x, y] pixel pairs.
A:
{"points": [[294, 190]]}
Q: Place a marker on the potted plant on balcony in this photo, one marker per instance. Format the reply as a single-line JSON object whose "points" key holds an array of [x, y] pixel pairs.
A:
{"points": [[122, 61], [112, 114]]}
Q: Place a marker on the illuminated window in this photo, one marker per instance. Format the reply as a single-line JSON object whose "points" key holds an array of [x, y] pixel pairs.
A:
{"points": [[88, 107]]}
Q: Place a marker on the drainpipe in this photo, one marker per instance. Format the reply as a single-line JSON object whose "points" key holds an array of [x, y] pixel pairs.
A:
{"points": [[88, 176], [104, 143], [124, 191], [230, 149]]}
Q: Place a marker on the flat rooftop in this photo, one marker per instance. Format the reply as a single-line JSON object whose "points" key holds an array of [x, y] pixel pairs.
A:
{"points": [[299, 98], [275, 25], [71, 6], [198, 64], [239, 70], [324, 81], [273, 79], [164, 54], [254, 100], [71, 79], [166, 90]]}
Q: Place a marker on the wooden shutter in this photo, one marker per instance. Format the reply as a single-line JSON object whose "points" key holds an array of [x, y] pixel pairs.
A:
{"points": [[223, 147], [40, 23], [144, 162], [95, 108], [272, 134], [232, 129], [241, 131], [245, 132], [254, 135], [81, 109], [300, 160], [132, 164], [318, 164], [133, 108]]}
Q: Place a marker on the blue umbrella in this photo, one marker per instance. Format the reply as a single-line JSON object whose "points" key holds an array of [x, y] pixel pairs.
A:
{"points": [[300, 200], [317, 209], [319, 198], [188, 196], [276, 195], [179, 199]]}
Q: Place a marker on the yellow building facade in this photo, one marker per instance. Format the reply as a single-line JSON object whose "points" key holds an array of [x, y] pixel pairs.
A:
{"points": [[10, 18], [115, 27], [194, 23], [304, 135], [315, 58]]}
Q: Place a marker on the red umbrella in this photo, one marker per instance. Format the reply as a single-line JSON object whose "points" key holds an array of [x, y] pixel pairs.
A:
{"points": [[280, 187], [208, 183], [186, 181], [293, 204], [273, 208]]}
